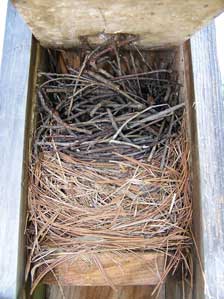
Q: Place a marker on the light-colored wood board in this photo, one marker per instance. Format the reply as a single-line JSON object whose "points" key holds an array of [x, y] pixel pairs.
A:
{"points": [[130, 292], [209, 106], [13, 99], [62, 22], [121, 270]]}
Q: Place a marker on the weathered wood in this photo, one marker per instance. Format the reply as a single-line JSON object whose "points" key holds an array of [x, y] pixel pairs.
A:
{"points": [[136, 292], [209, 106], [128, 269], [194, 170], [175, 287], [62, 22], [13, 97]]}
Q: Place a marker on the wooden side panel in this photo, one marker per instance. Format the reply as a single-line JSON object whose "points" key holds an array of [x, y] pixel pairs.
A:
{"points": [[13, 99], [175, 287], [123, 270], [157, 23], [209, 105], [131, 292]]}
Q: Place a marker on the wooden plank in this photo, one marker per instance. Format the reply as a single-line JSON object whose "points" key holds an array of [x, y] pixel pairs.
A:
{"points": [[157, 23], [122, 270], [131, 292], [209, 105], [13, 98], [175, 287], [195, 175]]}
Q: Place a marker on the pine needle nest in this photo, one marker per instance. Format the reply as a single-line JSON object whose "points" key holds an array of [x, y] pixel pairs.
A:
{"points": [[109, 170]]}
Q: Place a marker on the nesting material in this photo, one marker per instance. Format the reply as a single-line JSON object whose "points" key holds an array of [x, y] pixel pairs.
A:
{"points": [[109, 171]]}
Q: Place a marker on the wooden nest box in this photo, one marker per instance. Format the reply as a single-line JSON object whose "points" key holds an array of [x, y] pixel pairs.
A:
{"points": [[161, 28]]}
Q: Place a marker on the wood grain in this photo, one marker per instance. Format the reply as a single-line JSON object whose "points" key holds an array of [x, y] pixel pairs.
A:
{"points": [[13, 98], [131, 292], [126, 269], [209, 106], [175, 287], [156, 23]]}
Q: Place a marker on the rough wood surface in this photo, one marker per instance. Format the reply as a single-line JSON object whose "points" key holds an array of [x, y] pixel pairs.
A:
{"points": [[121, 270], [209, 105], [131, 292], [62, 23], [13, 98], [175, 287]]}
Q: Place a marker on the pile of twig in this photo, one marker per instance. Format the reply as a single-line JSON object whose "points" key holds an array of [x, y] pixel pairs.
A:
{"points": [[97, 110], [110, 164]]}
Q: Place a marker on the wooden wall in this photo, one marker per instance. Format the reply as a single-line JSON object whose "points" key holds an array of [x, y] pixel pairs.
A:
{"points": [[136, 292], [209, 108], [13, 101]]}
